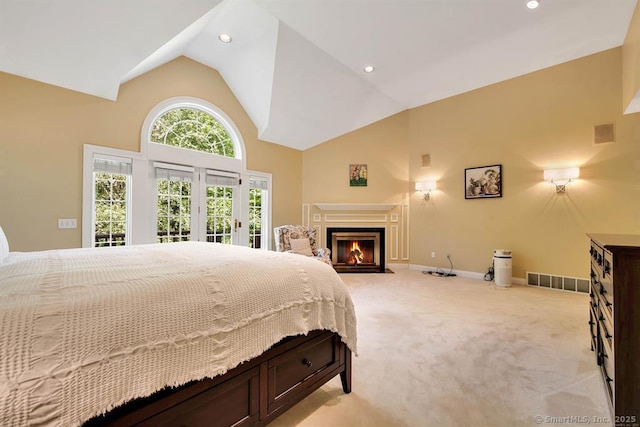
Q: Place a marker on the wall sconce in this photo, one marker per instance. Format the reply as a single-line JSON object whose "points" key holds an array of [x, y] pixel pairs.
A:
{"points": [[425, 187], [561, 177]]}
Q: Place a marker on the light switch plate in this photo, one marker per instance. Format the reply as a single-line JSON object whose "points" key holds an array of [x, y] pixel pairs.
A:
{"points": [[67, 223]]}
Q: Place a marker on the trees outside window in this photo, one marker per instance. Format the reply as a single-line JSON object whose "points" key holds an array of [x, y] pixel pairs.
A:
{"points": [[192, 129], [110, 209]]}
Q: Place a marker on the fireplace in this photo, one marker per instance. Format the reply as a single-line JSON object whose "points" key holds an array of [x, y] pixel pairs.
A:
{"points": [[356, 250]]}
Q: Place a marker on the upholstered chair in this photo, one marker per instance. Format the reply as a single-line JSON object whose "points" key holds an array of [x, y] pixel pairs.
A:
{"points": [[301, 240]]}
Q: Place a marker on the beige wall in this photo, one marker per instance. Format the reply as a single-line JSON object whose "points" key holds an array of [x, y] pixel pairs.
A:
{"points": [[43, 130], [541, 120], [631, 61], [383, 147]]}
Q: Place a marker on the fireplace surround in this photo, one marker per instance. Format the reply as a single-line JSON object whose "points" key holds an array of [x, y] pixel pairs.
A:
{"points": [[357, 249]]}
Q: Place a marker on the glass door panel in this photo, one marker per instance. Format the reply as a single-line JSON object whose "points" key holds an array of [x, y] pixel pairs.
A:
{"points": [[222, 225]]}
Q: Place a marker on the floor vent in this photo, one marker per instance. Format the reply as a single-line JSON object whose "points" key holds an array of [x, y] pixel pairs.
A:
{"points": [[562, 283]]}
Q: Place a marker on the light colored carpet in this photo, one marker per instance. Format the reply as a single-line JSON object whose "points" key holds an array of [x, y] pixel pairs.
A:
{"points": [[437, 351]]}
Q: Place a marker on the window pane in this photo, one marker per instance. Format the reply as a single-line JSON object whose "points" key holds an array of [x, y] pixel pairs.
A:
{"points": [[110, 209], [219, 214], [194, 130], [255, 217], [174, 211]]}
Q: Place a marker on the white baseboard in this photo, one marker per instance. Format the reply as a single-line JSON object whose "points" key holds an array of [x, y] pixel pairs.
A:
{"points": [[398, 266], [463, 273]]}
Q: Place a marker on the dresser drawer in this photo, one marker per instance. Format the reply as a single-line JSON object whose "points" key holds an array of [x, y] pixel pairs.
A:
{"points": [[606, 334], [607, 266], [607, 372], [593, 297], [604, 320], [593, 328], [597, 255], [594, 250], [606, 302], [607, 279], [290, 371]]}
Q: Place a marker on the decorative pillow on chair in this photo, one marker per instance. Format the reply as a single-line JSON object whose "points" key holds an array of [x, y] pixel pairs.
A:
{"points": [[301, 246], [4, 246]]}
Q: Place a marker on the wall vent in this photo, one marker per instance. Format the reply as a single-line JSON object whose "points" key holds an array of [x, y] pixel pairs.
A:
{"points": [[562, 283], [603, 134]]}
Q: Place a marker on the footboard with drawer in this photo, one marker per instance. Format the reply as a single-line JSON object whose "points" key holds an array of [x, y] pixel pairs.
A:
{"points": [[252, 394]]}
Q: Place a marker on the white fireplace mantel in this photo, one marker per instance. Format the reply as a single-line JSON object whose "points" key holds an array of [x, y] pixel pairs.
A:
{"points": [[355, 206]]}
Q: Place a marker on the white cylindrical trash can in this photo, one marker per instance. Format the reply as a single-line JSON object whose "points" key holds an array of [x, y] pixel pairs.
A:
{"points": [[502, 267]]}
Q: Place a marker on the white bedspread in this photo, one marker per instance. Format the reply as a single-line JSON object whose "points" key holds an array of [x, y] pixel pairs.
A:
{"points": [[85, 330]]}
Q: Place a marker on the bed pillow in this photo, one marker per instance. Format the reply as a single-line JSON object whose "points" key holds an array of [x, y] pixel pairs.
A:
{"points": [[4, 246], [301, 246]]}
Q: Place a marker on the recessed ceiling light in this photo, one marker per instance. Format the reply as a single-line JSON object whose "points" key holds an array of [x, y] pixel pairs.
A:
{"points": [[532, 4], [225, 38], [369, 69]]}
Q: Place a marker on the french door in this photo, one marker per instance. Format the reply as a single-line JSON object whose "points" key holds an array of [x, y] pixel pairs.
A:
{"points": [[211, 206], [198, 204], [220, 216]]}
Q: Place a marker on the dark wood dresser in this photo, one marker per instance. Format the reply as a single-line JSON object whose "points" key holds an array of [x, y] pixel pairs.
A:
{"points": [[614, 319]]}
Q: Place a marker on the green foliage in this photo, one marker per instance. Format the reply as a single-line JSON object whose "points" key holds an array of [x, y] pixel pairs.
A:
{"points": [[111, 209], [174, 210], [255, 218], [194, 130]]}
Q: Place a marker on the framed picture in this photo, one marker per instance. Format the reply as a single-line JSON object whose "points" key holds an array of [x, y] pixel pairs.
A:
{"points": [[358, 175], [483, 182]]}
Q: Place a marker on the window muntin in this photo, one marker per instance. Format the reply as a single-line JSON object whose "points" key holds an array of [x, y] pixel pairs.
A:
{"points": [[174, 191], [111, 179], [255, 218], [110, 209], [220, 219], [258, 196], [192, 129]]}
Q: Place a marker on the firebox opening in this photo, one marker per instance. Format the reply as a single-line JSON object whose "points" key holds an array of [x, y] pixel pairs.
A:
{"points": [[356, 250]]}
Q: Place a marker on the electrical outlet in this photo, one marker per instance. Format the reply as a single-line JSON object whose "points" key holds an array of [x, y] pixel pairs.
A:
{"points": [[67, 223], [433, 254]]}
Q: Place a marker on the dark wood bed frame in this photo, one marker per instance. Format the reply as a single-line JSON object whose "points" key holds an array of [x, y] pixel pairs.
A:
{"points": [[252, 394]]}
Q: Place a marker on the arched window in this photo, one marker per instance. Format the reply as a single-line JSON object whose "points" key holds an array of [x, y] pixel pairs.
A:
{"points": [[189, 131], [189, 182], [193, 129]]}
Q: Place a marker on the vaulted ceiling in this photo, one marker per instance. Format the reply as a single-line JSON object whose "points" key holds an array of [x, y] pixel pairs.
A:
{"points": [[296, 66]]}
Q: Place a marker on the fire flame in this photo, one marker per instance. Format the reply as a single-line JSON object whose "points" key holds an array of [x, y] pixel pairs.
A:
{"points": [[356, 253]]}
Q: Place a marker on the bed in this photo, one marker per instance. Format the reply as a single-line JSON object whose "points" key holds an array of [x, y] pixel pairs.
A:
{"points": [[87, 332]]}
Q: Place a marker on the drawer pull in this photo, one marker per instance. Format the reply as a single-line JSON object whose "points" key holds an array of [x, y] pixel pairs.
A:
{"points": [[603, 355], [609, 379], [601, 318], [602, 291], [307, 363], [591, 322], [608, 304], [608, 335]]}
